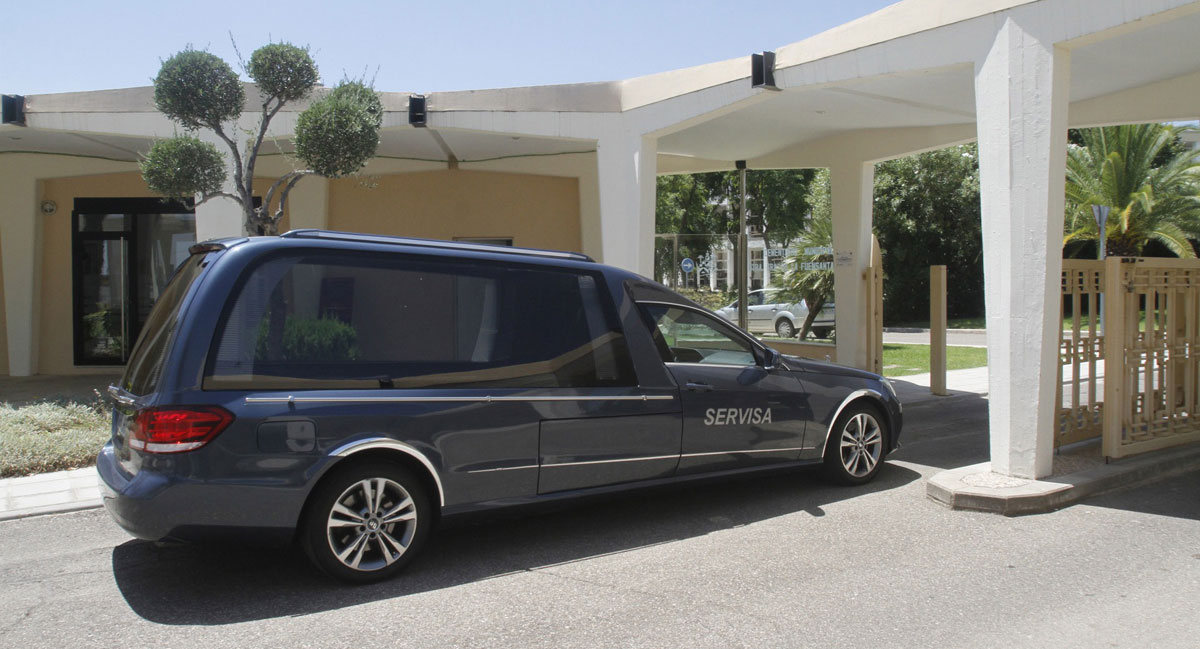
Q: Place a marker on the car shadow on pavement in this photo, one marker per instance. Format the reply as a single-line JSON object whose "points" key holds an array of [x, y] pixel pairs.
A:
{"points": [[222, 585]]}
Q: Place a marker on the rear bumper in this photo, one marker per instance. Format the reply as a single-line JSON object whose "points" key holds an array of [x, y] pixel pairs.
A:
{"points": [[154, 506]]}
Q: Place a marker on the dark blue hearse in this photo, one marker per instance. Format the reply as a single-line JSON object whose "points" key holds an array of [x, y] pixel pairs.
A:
{"points": [[346, 391]]}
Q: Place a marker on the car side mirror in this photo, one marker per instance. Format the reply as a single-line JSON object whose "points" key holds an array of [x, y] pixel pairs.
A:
{"points": [[771, 361]]}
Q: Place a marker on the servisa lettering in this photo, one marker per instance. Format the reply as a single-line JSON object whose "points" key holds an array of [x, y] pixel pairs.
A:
{"points": [[729, 416]]}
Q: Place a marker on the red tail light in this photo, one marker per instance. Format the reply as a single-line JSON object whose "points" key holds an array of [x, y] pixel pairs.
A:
{"points": [[173, 429]]}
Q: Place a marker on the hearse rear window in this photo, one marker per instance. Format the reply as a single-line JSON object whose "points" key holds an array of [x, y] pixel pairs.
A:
{"points": [[331, 320]]}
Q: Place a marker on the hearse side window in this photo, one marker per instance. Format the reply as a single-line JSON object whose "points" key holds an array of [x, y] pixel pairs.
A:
{"points": [[366, 321], [686, 336]]}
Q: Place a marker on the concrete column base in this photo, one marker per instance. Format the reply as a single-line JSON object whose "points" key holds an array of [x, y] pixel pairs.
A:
{"points": [[977, 488]]}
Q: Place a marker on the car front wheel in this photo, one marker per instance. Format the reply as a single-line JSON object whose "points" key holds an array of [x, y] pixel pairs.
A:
{"points": [[857, 445], [785, 328], [366, 522]]}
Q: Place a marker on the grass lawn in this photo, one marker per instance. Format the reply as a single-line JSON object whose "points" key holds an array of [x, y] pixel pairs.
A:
{"points": [[903, 360], [51, 436]]}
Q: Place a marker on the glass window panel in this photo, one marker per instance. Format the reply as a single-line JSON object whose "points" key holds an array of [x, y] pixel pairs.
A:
{"points": [[410, 323], [686, 336]]}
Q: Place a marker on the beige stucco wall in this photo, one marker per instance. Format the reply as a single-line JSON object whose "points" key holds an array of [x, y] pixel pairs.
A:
{"points": [[536, 211]]}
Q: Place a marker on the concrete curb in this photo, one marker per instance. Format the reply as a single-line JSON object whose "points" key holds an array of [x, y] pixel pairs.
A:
{"points": [[976, 488], [51, 509]]}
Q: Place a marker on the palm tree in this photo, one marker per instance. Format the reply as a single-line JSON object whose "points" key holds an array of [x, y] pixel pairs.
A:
{"points": [[814, 286], [1152, 191]]}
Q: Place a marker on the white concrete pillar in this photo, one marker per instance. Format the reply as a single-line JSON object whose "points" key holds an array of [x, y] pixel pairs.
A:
{"points": [[627, 164], [21, 250], [1021, 96], [590, 233], [852, 185], [308, 204]]}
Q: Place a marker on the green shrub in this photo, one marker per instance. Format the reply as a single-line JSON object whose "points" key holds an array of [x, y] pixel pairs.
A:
{"points": [[51, 436], [712, 300], [311, 339]]}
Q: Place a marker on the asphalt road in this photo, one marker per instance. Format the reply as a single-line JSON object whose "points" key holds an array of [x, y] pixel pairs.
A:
{"points": [[958, 337], [776, 561]]}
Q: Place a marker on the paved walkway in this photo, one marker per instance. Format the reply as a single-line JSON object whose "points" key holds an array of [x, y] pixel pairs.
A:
{"points": [[47, 493]]}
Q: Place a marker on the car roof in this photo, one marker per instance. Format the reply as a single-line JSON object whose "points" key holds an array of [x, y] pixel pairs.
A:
{"points": [[434, 243]]}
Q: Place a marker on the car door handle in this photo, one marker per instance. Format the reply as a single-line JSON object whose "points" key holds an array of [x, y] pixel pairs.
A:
{"points": [[703, 387]]}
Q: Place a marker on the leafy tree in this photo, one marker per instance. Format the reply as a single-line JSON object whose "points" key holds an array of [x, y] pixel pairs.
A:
{"points": [[703, 207], [1147, 179], [335, 135], [813, 285], [926, 212]]}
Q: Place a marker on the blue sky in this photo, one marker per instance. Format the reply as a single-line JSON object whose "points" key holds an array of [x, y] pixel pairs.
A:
{"points": [[58, 46]]}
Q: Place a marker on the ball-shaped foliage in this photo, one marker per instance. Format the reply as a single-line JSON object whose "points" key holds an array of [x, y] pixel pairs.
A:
{"points": [[339, 132], [283, 70], [182, 167], [198, 89]]}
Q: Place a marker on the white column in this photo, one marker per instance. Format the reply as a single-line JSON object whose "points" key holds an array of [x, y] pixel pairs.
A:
{"points": [[308, 204], [627, 175], [21, 250], [852, 185], [1021, 96]]}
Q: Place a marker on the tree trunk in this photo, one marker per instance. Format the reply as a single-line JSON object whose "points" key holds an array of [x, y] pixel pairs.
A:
{"points": [[814, 307]]}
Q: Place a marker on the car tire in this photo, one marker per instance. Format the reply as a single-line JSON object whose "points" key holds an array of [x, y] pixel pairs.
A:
{"points": [[856, 446], [366, 522], [820, 332], [784, 328]]}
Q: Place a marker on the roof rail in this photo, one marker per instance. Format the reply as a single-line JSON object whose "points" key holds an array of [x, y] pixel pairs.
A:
{"points": [[432, 243]]}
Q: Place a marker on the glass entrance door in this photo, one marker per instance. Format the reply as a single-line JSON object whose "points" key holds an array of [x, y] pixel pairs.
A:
{"points": [[104, 291], [125, 252]]}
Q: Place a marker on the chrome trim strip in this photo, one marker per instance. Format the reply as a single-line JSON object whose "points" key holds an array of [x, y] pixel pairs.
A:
{"points": [[504, 468], [838, 413], [624, 459], [250, 401], [351, 448], [668, 457], [727, 365], [116, 394], [763, 450]]}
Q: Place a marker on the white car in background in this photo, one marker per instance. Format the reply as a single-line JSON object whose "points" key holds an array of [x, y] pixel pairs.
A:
{"points": [[764, 314]]}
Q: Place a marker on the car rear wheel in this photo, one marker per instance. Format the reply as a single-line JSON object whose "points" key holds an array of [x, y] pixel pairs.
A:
{"points": [[366, 522], [785, 328], [821, 332], [857, 445]]}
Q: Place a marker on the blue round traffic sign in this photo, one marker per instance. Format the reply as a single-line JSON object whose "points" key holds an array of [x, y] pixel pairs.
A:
{"points": [[687, 265]]}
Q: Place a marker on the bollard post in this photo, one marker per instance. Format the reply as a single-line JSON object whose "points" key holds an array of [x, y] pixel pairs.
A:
{"points": [[937, 330]]}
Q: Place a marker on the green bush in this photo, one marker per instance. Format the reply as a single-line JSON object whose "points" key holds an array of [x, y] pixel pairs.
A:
{"points": [[310, 339], [51, 436], [712, 300]]}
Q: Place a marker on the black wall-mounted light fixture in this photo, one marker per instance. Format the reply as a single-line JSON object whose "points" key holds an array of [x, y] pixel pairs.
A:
{"points": [[12, 109], [416, 110], [762, 71]]}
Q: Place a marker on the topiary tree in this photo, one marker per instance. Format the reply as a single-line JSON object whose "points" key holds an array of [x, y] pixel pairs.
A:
{"points": [[335, 135]]}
